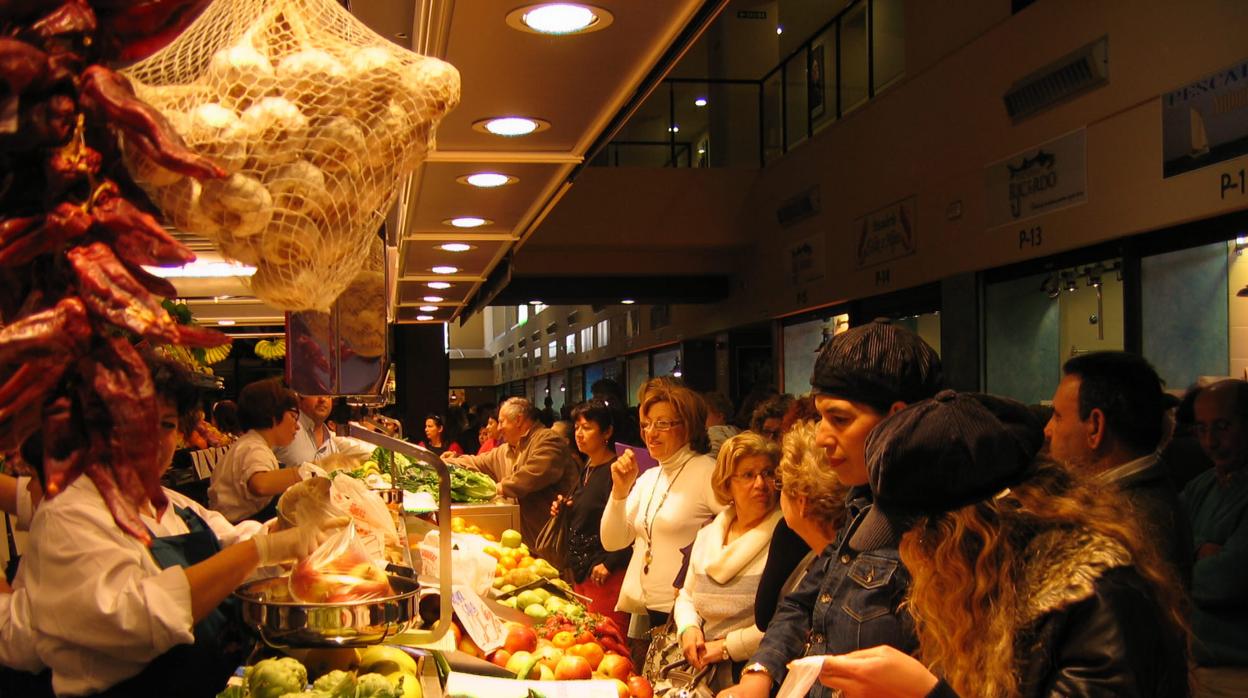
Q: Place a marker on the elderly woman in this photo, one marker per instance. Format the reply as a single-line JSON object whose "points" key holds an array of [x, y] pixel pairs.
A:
{"points": [[1026, 581], [660, 511], [714, 610], [249, 478]]}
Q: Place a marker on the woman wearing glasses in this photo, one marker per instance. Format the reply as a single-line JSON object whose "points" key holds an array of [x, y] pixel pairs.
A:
{"points": [[715, 609], [660, 511], [249, 478]]}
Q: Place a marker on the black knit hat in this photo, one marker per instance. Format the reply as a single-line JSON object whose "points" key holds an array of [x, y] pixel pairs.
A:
{"points": [[877, 363], [942, 454]]}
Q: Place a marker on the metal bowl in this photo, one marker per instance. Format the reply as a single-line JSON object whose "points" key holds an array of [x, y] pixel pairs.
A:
{"points": [[281, 621]]}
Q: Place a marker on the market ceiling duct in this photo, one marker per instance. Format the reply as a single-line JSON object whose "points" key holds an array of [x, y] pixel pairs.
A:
{"points": [[316, 118], [1074, 74]]}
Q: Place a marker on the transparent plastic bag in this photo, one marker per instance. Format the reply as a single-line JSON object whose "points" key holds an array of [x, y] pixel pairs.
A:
{"points": [[308, 502], [473, 567], [373, 521], [316, 119], [339, 571]]}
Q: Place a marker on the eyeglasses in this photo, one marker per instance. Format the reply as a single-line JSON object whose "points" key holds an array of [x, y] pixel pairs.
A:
{"points": [[661, 425], [777, 483], [768, 475]]}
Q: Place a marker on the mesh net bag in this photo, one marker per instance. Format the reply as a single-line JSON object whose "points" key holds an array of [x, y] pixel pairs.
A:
{"points": [[315, 117]]}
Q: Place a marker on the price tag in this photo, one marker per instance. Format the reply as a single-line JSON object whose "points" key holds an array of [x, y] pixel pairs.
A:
{"points": [[479, 621]]}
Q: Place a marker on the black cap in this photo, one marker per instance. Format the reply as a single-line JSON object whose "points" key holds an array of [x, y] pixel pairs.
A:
{"points": [[877, 363], [942, 454]]}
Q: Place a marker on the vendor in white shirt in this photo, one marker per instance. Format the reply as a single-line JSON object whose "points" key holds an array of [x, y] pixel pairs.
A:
{"points": [[249, 478], [18, 498], [315, 439], [113, 617]]}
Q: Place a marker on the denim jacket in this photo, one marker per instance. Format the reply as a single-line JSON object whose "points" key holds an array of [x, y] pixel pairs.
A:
{"points": [[848, 600]]}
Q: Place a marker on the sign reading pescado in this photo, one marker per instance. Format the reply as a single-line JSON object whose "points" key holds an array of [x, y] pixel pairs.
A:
{"points": [[1046, 178], [886, 234]]}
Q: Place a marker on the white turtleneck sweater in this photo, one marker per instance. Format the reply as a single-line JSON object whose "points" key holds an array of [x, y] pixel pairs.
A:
{"points": [[688, 507]]}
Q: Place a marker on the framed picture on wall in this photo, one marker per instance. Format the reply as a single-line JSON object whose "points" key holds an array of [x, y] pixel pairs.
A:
{"points": [[815, 81]]}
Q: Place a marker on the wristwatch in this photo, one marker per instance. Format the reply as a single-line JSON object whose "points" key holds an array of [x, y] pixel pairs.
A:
{"points": [[755, 668], [725, 656]]}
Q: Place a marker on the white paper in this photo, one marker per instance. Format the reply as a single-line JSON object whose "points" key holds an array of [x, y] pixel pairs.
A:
{"points": [[481, 624], [473, 685], [803, 673]]}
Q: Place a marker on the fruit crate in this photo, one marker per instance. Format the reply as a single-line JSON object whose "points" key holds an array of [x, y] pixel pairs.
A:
{"points": [[552, 588], [491, 518]]}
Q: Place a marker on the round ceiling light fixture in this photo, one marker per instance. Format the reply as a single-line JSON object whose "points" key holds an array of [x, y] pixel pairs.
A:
{"points": [[433, 299], [487, 180], [428, 308], [559, 18], [424, 318], [438, 285], [444, 270], [511, 126], [467, 222], [455, 247], [628, 301]]}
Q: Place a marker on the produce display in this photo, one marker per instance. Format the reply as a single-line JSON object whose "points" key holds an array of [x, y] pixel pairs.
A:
{"points": [[316, 119], [379, 671], [74, 235], [467, 486]]}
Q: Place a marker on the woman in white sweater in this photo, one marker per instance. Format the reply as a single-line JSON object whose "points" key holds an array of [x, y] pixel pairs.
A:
{"points": [[660, 511], [715, 609]]}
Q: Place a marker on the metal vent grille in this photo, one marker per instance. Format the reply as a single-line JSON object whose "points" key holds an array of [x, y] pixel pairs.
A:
{"points": [[1074, 74]]}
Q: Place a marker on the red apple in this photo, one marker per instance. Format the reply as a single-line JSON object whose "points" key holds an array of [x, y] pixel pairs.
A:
{"points": [[592, 652], [467, 646], [585, 638], [639, 687], [572, 668], [616, 667], [520, 638], [500, 657]]}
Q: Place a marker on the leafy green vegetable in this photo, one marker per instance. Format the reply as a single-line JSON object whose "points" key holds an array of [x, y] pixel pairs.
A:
{"points": [[467, 486], [274, 678], [373, 686], [336, 684], [233, 692]]}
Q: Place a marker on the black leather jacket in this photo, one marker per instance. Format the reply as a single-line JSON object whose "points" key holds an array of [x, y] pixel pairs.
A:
{"points": [[1110, 643]]}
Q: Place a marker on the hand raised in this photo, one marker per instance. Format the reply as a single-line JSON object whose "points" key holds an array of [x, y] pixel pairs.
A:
{"points": [[623, 474]]}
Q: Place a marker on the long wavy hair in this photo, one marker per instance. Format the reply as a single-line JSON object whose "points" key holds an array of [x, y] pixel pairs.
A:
{"points": [[967, 567]]}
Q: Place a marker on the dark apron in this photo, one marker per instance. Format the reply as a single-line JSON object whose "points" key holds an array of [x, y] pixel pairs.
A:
{"points": [[268, 512], [198, 669]]}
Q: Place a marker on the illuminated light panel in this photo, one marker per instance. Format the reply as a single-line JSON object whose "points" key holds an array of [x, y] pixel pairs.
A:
{"points": [[487, 180], [511, 126], [424, 318], [445, 270], [438, 285], [467, 222], [433, 299], [202, 270], [428, 308], [455, 247]]}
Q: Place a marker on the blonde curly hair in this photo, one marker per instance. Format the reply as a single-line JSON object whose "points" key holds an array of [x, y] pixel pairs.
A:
{"points": [[804, 472]]}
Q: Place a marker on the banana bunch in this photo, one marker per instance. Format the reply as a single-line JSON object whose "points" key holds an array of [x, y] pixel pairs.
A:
{"points": [[271, 350], [394, 664]]}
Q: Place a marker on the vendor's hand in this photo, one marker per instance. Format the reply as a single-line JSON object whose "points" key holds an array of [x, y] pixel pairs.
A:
{"points": [[878, 672], [309, 470], [295, 543], [599, 574], [623, 474], [693, 645]]}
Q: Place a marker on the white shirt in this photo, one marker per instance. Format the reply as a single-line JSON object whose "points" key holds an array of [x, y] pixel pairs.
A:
{"points": [[303, 449], [102, 608], [690, 504], [228, 492]]}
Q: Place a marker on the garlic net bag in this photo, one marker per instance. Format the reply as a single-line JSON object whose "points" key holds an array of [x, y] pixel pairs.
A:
{"points": [[315, 117]]}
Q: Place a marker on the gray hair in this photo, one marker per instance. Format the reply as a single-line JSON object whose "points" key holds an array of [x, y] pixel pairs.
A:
{"points": [[520, 407]]}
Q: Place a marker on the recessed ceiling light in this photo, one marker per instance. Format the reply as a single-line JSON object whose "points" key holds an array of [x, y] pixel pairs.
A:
{"points": [[428, 308], [433, 299], [628, 301], [467, 222], [455, 247], [511, 125], [487, 180], [560, 18], [699, 102], [535, 302], [438, 285], [424, 318], [445, 270], [225, 323], [673, 128]]}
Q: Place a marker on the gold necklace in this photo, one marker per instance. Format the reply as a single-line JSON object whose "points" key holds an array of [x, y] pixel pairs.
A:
{"points": [[649, 521]]}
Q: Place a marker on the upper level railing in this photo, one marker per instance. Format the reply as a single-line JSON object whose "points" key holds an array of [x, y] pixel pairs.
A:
{"points": [[747, 123]]}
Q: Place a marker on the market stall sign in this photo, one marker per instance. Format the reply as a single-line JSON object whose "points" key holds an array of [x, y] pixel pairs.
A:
{"points": [[1205, 121], [886, 234], [1039, 180]]}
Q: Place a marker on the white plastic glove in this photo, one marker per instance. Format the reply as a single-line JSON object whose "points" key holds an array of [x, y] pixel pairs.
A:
{"points": [[308, 470], [294, 543]]}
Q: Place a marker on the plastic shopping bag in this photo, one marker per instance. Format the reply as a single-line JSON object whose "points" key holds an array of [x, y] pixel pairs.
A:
{"points": [[339, 571]]}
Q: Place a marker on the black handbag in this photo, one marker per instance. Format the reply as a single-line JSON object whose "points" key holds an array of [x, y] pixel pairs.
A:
{"points": [[552, 541]]}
